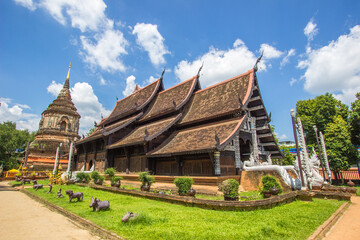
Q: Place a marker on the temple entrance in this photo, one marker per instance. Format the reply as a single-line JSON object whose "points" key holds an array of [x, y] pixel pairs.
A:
{"points": [[62, 126], [91, 163]]}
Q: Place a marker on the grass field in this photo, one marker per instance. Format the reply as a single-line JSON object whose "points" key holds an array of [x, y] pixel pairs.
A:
{"points": [[160, 220]]}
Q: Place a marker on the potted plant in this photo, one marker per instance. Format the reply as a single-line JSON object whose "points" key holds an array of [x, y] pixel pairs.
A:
{"points": [[146, 181], [82, 177], [97, 178], [270, 186], [110, 172], [184, 186], [230, 189], [115, 181]]}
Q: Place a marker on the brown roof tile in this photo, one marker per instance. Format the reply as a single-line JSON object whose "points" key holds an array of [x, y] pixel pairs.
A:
{"points": [[172, 99], [136, 101], [146, 132], [99, 131], [219, 99], [198, 139]]}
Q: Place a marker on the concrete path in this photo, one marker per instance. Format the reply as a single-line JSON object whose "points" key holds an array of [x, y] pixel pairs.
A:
{"points": [[348, 226], [23, 218]]}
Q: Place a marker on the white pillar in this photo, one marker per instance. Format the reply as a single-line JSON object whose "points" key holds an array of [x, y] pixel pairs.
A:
{"points": [[217, 163], [70, 156], [55, 171]]}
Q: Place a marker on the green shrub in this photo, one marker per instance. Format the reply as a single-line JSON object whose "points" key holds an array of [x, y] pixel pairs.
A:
{"points": [[110, 172], [115, 179], [229, 188], [183, 184], [100, 180], [268, 182], [81, 175], [18, 175], [95, 175], [146, 179]]}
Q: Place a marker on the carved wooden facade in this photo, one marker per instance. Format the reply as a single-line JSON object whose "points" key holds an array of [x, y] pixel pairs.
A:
{"points": [[184, 130]]}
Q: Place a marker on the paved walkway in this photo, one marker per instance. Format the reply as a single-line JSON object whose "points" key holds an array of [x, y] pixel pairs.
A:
{"points": [[23, 218], [348, 226]]}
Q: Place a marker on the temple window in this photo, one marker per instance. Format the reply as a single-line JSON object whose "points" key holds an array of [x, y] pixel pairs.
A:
{"points": [[62, 126]]}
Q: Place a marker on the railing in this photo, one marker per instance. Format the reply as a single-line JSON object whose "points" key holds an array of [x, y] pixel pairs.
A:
{"points": [[351, 174]]}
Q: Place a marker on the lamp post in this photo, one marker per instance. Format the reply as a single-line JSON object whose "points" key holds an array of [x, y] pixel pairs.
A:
{"points": [[321, 159], [292, 113]]}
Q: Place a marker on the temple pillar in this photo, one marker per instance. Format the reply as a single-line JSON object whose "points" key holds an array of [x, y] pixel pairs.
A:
{"points": [[146, 158], [180, 165], [217, 163], [237, 154], [127, 154], [255, 147]]}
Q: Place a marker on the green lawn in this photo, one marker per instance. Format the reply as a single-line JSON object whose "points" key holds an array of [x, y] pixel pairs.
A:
{"points": [[44, 182], [160, 220]]}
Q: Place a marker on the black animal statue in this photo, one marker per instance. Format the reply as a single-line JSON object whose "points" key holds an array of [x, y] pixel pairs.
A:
{"points": [[37, 186], [59, 194], [25, 180], [72, 195], [50, 188], [98, 205], [127, 216]]}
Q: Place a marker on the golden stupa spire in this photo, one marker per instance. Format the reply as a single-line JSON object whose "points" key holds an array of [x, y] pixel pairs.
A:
{"points": [[66, 84]]}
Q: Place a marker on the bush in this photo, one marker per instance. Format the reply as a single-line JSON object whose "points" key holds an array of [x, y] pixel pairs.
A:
{"points": [[115, 179], [268, 182], [95, 175], [110, 172], [81, 175], [229, 188], [146, 179], [183, 184], [18, 175]]}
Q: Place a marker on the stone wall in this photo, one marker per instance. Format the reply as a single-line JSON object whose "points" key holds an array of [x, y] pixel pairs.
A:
{"points": [[250, 180]]}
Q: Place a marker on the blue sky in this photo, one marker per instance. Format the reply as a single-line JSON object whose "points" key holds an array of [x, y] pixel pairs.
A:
{"points": [[310, 47]]}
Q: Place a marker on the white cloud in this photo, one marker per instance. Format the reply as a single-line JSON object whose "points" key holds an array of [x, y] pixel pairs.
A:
{"points": [[151, 79], [293, 81], [269, 51], [149, 38], [283, 136], [310, 30], [219, 65], [86, 102], [334, 67], [84, 15], [106, 52], [286, 59], [54, 88], [103, 82], [130, 85], [15, 113], [29, 4]]}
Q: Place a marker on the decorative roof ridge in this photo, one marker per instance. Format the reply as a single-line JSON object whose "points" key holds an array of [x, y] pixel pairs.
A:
{"points": [[158, 83], [168, 139], [138, 90], [226, 81], [122, 125], [155, 135], [179, 84], [146, 137], [236, 130]]}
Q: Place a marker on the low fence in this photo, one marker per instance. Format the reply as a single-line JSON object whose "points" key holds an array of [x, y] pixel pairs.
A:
{"points": [[350, 174]]}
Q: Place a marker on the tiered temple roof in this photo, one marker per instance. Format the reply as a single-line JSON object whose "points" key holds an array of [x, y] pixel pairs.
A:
{"points": [[186, 119]]}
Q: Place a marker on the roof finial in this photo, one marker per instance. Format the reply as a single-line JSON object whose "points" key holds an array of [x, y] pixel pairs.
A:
{"points": [[257, 61], [66, 84], [162, 74], [198, 74]]}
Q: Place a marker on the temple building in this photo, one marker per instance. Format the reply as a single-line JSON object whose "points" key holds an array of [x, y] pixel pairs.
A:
{"points": [[59, 124], [184, 130]]}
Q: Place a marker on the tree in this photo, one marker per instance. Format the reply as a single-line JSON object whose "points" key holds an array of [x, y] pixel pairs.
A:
{"points": [[91, 131], [320, 112], [340, 150], [12, 144], [355, 121]]}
